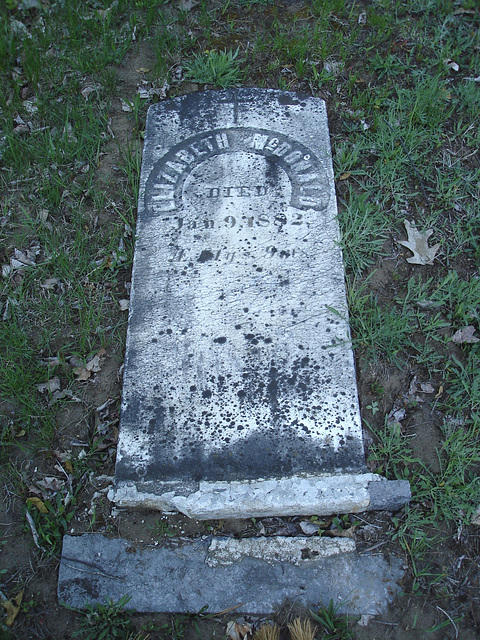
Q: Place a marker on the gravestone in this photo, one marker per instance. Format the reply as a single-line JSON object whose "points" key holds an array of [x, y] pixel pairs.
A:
{"points": [[239, 395]]}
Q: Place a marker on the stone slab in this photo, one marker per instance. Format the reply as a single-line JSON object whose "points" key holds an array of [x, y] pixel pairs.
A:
{"points": [[294, 495], [238, 366], [258, 574]]}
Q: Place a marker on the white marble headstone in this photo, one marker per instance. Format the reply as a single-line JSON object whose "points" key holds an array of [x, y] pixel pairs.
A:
{"points": [[239, 392]]}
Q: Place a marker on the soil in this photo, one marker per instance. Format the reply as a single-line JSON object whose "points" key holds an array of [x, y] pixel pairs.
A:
{"points": [[454, 596]]}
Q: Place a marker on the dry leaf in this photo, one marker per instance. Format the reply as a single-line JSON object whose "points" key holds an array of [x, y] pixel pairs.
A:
{"points": [[344, 533], [12, 608], [426, 387], [417, 242], [187, 5], [75, 361], [345, 175], [17, 265], [86, 91], [36, 502], [465, 335], [52, 385], [147, 93], [51, 361], [333, 67], [94, 364], [237, 631], [50, 483], [143, 70], [59, 395], [69, 133], [451, 64], [308, 528], [126, 106], [30, 106], [82, 374], [51, 283], [20, 125], [397, 414], [362, 18], [27, 258], [365, 619], [476, 517], [7, 311]]}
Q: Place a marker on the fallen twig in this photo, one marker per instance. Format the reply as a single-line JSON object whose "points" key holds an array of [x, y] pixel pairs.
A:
{"points": [[33, 530], [451, 620], [375, 546]]}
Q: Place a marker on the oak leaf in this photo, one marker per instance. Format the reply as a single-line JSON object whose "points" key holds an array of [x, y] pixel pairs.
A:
{"points": [[465, 335], [417, 242]]}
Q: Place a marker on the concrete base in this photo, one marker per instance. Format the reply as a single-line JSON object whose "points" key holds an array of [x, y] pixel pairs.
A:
{"points": [[258, 574], [294, 495]]}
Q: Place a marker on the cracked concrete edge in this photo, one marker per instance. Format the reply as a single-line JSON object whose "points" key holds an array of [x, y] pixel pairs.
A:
{"points": [[294, 495], [296, 551]]}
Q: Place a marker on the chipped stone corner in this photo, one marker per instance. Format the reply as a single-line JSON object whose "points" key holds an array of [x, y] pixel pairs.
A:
{"points": [[289, 496]]}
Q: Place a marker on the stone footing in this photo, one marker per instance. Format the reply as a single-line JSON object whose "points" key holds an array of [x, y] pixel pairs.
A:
{"points": [[255, 575], [295, 495]]}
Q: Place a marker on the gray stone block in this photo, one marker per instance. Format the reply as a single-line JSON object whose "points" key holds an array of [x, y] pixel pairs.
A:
{"points": [[258, 574]]}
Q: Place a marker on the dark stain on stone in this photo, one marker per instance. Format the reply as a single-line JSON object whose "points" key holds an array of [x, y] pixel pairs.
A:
{"points": [[257, 455], [220, 340], [205, 256], [88, 587], [206, 393]]}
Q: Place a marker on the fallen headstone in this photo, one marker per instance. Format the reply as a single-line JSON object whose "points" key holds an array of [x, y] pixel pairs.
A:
{"points": [[239, 394]]}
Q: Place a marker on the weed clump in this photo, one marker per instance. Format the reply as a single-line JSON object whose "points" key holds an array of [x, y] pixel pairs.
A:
{"points": [[220, 68]]}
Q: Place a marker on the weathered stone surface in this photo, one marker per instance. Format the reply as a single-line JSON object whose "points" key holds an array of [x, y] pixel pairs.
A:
{"points": [[294, 495], [258, 574], [238, 365], [389, 496]]}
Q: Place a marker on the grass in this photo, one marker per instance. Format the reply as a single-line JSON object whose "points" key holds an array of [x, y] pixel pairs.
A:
{"points": [[405, 135], [333, 625], [110, 620], [218, 68]]}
